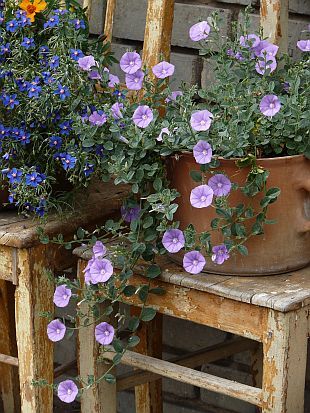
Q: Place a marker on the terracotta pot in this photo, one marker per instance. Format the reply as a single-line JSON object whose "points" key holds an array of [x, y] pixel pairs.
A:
{"points": [[285, 245]]}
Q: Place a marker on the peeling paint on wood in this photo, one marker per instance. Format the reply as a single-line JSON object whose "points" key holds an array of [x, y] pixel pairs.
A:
{"points": [[35, 352], [274, 21], [285, 359]]}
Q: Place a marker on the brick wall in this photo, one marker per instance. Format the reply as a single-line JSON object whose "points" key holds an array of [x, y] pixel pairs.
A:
{"points": [[180, 336]]}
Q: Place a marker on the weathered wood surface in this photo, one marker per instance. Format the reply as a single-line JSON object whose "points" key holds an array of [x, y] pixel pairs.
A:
{"points": [[148, 396], [35, 352], [285, 360], [8, 264], [193, 360], [158, 31], [274, 21], [196, 378], [109, 18], [22, 233], [204, 308], [283, 292], [9, 388], [100, 398]]}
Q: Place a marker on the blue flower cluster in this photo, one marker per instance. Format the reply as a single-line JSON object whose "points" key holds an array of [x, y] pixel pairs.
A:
{"points": [[15, 134], [21, 20]]}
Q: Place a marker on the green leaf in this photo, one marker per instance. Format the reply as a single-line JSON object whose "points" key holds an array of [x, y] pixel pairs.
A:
{"points": [[80, 233], [215, 223], [148, 222], [117, 358], [153, 271], [196, 176], [273, 193], [129, 290], [133, 341], [157, 291], [143, 293], [157, 184], [148, 314], [109, 378], [133, 323], [242, 249], [118, 345]]}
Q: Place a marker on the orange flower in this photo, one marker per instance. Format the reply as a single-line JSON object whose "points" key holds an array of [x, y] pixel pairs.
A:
{"points": [[36, 6]]}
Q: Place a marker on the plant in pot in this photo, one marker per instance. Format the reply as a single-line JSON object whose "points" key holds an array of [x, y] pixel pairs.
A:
{"points": [[41, 89], [207, 149]]}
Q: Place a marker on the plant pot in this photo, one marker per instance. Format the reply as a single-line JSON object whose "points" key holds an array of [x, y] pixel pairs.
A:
{"points": [[285, 245]]}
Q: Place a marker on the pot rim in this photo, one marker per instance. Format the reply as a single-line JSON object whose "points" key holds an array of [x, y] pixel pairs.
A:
{"points": [[274, 159]]}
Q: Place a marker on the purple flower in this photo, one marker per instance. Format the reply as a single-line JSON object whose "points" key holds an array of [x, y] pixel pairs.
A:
{"points": [[87, 62], [173, 240], [193, 262], [220, 254], [201, 120], [116, 110], [199, 31], [163, 131], [142, 116], [86, 271], [98, 118], [104, 333], [15, 176], [100, 271], [99, 249], [263, 64], [201, 196], [94, 75], [249, 41], [270, 105], [174, 96], [130, 214], [56, 330], [266, 48], [163, 70], [304, 45], [62, 296], [202, 152], [130, 62], [220, 185], [134, 81], [67, 391], [113, 80]]}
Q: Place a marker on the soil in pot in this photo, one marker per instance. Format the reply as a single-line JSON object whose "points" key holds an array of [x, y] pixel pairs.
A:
{"points": [[285, 245]]}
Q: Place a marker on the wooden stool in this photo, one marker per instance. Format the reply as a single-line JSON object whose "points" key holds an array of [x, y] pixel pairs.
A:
{"points": [[23, 261], [271, 310]]}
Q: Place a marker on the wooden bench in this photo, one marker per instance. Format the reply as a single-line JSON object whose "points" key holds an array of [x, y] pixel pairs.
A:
{"points": [[23, 261], [272, 310]]}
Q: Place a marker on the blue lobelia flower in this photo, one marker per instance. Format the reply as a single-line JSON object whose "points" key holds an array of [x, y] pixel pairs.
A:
{"points": [[52, 22], [78, 24], [14, 176], [28, 43], [62, 91], [33, 179], [68, 161], [54, 62]]}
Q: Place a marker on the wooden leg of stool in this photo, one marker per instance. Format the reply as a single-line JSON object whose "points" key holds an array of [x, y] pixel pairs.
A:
{"points": [[285, 359], [9, 386], [257, 368], [34, 294], [100, 398], [149, 396]]}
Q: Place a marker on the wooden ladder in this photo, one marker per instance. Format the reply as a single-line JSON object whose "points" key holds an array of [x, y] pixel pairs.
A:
{"points": [[159, 23]]}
